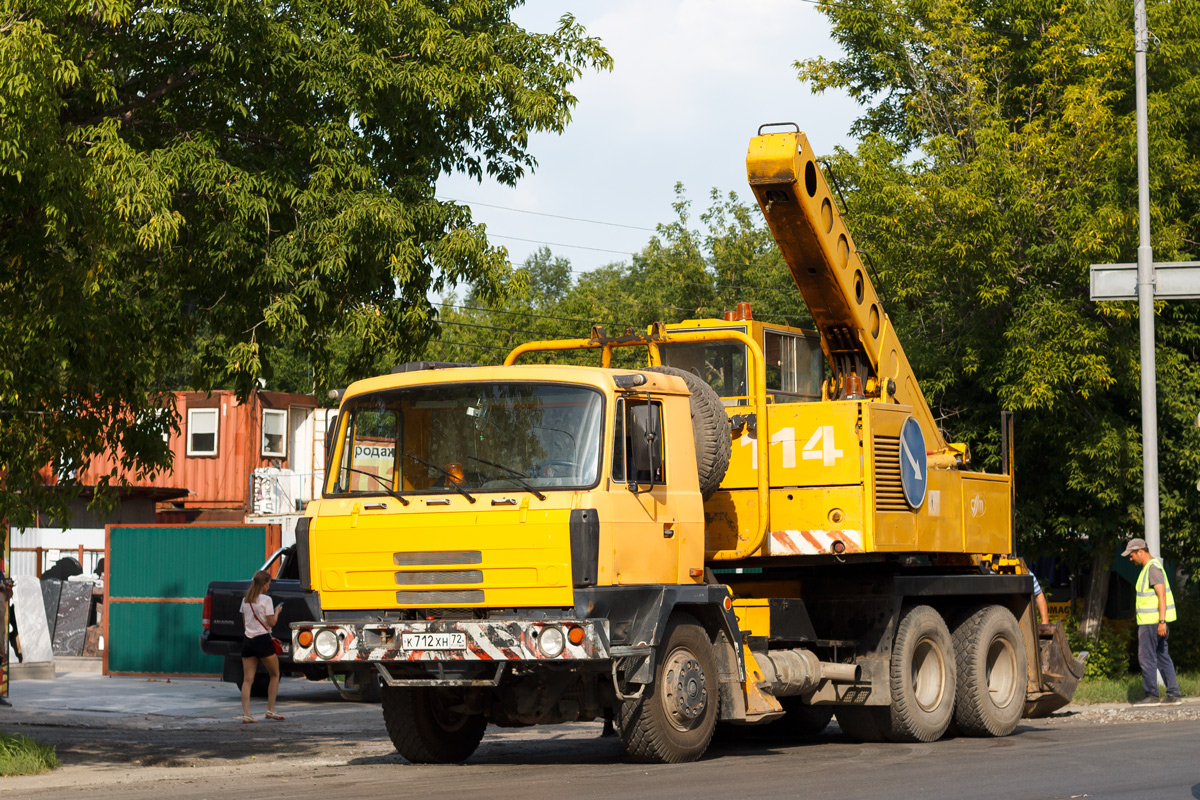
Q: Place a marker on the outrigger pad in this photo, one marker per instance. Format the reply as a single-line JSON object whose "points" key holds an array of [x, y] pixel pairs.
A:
{"points": [[1061, 672]]}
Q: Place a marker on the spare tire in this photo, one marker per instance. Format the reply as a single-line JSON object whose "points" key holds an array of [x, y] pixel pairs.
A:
{"points": [[710, 430]]}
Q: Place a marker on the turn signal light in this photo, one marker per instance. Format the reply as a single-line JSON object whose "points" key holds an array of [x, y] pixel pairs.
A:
{"points": [[304, 638], [575, 635]]}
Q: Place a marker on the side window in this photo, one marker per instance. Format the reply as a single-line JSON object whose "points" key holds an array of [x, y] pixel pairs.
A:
{"points": [[619, 443], [643, 451], [794, 367], [274, 433], [202, 427]]}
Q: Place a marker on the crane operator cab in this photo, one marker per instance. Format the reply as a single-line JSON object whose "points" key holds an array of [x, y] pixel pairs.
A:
{"points": [[795, 367]]}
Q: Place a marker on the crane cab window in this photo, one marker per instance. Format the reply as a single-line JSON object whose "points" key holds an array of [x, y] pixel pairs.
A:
{"points": [[794, 367], [722, 365], [638, 453]]}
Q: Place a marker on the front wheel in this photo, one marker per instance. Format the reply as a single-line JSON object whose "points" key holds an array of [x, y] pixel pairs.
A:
{"points": [[428, 726], [673, 721]]}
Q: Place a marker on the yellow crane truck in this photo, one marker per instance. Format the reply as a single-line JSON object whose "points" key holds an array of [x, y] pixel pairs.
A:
{"points": [[762, 526]]}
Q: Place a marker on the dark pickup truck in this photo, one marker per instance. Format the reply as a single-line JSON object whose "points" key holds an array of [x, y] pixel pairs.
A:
{"points": [[223, 632]]}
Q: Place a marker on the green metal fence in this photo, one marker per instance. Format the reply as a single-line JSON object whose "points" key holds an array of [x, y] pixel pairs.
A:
{"points": [[156, 577]]}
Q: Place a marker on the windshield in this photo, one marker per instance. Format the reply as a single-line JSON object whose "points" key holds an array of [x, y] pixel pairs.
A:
{"points": [[473, 437]]}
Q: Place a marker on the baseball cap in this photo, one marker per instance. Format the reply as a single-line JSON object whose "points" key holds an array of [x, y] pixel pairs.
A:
{"points": [[1134, 544]]}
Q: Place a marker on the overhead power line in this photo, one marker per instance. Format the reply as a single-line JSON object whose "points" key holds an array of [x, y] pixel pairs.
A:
{"points": [[552, 216], [560, 244]]}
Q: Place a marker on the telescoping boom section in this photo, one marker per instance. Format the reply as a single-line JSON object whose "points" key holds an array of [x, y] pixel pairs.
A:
{"points": [[866, 358]]}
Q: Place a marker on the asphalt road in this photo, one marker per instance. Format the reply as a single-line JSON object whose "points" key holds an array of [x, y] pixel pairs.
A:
{"points": [[133, 738]]}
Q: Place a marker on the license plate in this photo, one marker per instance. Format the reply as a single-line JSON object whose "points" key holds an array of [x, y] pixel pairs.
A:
{"points": [[433, 641]]}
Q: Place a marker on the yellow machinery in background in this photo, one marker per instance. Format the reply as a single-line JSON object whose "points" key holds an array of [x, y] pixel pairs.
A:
{"points": [[765, 525]]}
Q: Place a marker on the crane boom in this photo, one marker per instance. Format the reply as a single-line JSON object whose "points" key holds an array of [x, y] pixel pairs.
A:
{"points": [[857, 337]]}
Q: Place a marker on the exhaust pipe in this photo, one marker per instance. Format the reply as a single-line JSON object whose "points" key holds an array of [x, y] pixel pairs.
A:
{"points": [[792, 672]]}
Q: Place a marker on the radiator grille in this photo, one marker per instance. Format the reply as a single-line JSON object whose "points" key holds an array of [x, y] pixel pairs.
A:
{"points": [[889, 491], [438, 558], [435, 598], [439, 578]]}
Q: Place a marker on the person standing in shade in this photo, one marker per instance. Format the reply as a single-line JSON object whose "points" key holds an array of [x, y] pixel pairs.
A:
{"points": [[1155, 607], [1039, 598], [258, 617]]}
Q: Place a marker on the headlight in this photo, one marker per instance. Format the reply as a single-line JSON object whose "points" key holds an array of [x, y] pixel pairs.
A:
{"points": [[326, 643], [551, 642]]}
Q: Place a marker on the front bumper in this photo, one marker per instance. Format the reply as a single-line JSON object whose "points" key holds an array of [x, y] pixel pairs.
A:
{"points": [[485, 640]]}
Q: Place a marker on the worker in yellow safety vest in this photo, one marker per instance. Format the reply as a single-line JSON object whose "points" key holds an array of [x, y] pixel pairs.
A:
{"points": [[1155, 607]]}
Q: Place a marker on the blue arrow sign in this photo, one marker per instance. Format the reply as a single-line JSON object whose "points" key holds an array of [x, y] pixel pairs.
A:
{"points": [[914, 467]]}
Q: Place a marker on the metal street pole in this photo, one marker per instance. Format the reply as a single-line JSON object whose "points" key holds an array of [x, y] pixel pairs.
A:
{"points": [[1145, 282]]}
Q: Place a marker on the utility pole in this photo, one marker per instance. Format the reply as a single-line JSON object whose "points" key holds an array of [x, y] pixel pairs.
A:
{"points": [[1145, 287], [1145, 281]]}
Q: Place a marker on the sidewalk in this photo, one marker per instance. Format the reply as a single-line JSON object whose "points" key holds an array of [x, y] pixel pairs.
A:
{"points": [[89, 699]]}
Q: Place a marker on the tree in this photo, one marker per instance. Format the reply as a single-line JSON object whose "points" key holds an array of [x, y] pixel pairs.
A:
{"points": [[223, 176], [997, 162]]}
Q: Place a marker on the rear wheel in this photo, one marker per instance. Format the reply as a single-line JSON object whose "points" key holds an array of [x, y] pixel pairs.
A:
{"points": [[992, 671], [923, 678], [674, 719], [428, 726]]}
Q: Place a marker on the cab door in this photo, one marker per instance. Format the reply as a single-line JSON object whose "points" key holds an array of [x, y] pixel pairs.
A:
{"points": [[644, 513]]}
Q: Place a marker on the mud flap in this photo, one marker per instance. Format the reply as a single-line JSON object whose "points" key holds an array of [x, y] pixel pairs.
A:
{"points": [[1060, 673], [760, 706]]}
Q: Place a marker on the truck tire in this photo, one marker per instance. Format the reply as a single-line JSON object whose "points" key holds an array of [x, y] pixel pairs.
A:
{"points": [[992, 672], [864, 723], [710, 430], [426, 729], [923, 676], [673, 721]]}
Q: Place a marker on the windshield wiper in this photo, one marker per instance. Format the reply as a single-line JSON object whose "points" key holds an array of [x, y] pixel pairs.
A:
{"points": [[387, 489], [450, 479], [520, 478]]}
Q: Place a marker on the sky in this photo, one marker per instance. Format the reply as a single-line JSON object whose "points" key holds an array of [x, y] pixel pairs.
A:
{"points": [[692, 80]]}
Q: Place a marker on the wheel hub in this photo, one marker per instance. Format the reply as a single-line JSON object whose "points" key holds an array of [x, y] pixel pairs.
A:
{"points": [[686, 690]]}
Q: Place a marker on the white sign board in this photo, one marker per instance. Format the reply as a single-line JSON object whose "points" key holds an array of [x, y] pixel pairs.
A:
{"points": [[1173, 280]]}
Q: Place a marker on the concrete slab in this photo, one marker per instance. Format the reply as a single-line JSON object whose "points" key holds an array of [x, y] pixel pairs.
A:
{"points": [[63, 664], [30, 670]]}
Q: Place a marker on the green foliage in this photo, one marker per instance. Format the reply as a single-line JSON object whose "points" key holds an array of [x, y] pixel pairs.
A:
{"points": [[1110, 654], [202, 186], [997, 163], [1184, 644], [20, 755], [1127, 689]]}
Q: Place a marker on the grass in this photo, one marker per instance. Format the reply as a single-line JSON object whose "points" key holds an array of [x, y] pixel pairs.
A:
{"points": [[20, 755], [1128, 689]]}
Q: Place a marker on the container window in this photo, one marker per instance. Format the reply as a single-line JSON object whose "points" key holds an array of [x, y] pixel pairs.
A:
{"points": [[274, 433], [202, 431]]}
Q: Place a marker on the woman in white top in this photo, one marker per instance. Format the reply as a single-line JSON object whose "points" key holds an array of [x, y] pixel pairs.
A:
{"points": [[258, 617]]}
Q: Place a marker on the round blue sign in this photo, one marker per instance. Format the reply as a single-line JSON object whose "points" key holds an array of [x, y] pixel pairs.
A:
{"points": [[914, 467]]}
